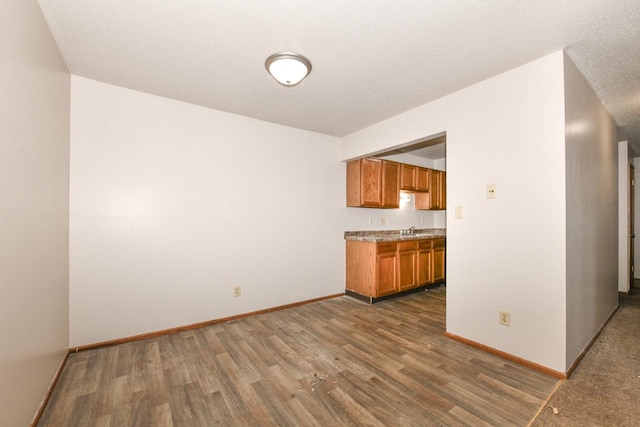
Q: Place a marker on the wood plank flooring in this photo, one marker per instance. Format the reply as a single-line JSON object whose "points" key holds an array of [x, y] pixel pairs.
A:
{"points": [[330, 363]]}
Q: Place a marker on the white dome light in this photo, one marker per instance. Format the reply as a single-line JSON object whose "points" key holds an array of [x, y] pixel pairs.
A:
{"points": [[288, 68]]}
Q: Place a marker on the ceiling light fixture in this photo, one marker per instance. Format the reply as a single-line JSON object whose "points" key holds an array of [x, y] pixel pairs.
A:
{"points": [[288, 68]]}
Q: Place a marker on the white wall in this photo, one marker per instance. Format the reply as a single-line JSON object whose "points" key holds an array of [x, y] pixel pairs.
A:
{"points": [[592, 212], [394, 219], [507, 253], [623, 189], [172, 205], [34, 203]]}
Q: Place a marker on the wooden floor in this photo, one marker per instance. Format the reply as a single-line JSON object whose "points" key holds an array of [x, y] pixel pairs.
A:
{"points": [[331, 363]]}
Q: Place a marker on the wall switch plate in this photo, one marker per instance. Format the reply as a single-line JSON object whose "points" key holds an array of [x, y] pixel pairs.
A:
{"points": [[492, 191], [237, 291], [383, 221], [459, 212], [422, 220], [370, 220], [504, 318]]}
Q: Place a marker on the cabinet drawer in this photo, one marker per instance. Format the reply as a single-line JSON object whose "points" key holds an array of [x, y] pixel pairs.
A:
{"points": [[386, 247], [408, 246], [438, 243], [425, 244]]}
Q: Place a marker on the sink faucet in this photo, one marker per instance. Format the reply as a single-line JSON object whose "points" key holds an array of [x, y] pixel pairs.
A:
{"points": [[410, 230]]}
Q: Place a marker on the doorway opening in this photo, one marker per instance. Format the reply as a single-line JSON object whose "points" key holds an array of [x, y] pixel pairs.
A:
{"points": [[429, 152]]}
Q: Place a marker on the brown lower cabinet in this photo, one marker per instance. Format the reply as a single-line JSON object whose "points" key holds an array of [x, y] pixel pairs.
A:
{"points": [[425, 261], [378, 269], [386, 271], [407, 260], [438, 259]]}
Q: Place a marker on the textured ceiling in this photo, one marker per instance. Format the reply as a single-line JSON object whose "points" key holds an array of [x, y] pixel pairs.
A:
{"points": [[372, 59]]}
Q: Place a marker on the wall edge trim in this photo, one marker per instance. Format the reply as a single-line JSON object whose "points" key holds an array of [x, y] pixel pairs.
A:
{"points": [[508, 356], [47, 397], [578, 359], [198, 325]]}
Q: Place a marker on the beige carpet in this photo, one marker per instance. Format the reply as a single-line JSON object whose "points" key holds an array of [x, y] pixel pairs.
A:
{"points": [[604, 390]]}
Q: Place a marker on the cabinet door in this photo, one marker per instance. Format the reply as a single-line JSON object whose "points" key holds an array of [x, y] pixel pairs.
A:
{"points": [[425, 262], [435, 178], [386, 274], [438, 260], [422, 179], [423, 201], [408, 177], [371, 182], [407, 265], [443, 190], [390, 184], [364, 183], [436, 198]]}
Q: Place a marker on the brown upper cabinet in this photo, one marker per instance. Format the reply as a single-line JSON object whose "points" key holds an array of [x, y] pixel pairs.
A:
{"points": [[414, 178], [436, 198], [408, 175], [373, 183], [439, 180], [376, 183], [422, 179]]}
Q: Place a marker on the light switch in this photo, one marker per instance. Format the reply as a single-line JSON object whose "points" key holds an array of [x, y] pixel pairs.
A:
{"points": [[491, 191], [459, 212]]}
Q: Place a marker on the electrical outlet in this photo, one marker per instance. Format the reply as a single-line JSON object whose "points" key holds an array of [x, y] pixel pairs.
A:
{"points": [[237, 291], [421, 220], [504, 318], [492, 191], [370, 220], [383, 221]]}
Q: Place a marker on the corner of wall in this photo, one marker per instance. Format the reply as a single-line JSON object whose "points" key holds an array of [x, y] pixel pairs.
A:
{"points": [[34, 219], [592, 211], [624, 279]]}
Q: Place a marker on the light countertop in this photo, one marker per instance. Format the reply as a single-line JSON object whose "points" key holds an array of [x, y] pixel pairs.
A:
{"points": [[395, 235]]}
